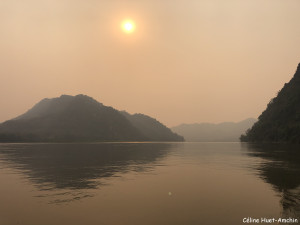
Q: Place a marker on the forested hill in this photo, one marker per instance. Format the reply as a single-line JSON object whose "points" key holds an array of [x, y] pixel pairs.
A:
{"points": [[78, 118], [151, 128], [280, 122]]}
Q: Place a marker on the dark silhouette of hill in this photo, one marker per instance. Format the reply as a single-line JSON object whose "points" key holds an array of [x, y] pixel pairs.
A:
{"points": [[69, 119], [152, 128], [280, 122], [222, 132]]}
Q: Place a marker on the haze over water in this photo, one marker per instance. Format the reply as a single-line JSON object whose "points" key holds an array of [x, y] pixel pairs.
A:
{"points": [[147, 183]]}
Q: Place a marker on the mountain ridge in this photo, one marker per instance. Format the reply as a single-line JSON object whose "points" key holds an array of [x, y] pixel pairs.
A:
{"points": [[73, 118], [220, 132]]}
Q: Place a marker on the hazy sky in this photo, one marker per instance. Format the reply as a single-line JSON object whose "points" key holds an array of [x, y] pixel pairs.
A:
{"points": [[187, 61]]}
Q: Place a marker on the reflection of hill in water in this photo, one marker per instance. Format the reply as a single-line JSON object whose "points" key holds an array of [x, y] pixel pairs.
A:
{"points": [[281, 169], [80, 166]]}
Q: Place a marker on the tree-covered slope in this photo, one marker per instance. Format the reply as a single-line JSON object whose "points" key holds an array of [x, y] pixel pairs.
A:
{"points": [[151, 128], [280, 122], [69, 119]]}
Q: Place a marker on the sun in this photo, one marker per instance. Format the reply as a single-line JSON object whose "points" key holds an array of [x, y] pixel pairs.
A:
{"points": [[128, 26]]}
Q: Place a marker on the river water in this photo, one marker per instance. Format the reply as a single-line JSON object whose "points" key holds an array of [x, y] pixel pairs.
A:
{"points": [[148, 183]]}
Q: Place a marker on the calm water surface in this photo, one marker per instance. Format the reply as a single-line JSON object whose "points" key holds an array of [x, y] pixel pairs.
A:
{"points": [[147, 183]]}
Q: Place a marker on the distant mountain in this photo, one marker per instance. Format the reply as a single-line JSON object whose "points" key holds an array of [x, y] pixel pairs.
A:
{"points": [[280, 122], [76, 118], [210, 132]]}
